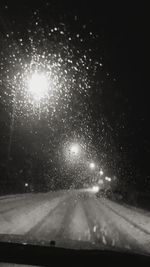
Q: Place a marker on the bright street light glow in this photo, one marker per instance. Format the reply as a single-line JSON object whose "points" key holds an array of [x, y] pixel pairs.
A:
{"points": [[26, 184], [74, 149], [38, 85], [108, 179], [101, 172], [92, 165]]}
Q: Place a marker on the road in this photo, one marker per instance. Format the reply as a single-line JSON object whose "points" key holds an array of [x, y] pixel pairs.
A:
{"points": [[72, 216]]}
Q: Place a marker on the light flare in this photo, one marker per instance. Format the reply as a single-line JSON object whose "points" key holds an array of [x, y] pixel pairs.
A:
{"points": [[75, 149], [38, 86]]}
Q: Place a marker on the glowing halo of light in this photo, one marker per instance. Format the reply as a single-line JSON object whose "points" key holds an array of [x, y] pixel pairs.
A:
{"points": [[38, 85], [92, 165], [75, 149], [65, 65], [101, 172], [95, 188]]}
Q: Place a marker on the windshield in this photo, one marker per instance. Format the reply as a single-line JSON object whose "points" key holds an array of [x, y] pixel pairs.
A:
{"points": [[74, 137]]}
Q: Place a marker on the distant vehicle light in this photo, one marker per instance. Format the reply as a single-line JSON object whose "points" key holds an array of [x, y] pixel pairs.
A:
{"points": [[108, 179], [95, 188]]}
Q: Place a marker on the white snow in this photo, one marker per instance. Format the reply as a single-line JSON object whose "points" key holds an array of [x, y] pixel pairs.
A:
{"points": [[23, 218]]}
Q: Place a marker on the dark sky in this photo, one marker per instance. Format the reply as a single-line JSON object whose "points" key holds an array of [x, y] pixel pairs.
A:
{"points": [[123, 44], [124, 39]]}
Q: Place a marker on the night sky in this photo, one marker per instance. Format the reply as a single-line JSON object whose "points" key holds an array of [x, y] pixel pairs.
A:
{"points": [[102, 101]]}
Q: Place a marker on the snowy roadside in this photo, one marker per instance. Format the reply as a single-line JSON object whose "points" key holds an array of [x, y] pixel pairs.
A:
{"points": [[21, 220], [133, 216]]}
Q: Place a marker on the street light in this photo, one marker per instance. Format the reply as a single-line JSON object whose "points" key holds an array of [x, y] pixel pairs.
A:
{"points": [[72, 151], [75, 149], [92, 165], [38, 85], [101, 172]]}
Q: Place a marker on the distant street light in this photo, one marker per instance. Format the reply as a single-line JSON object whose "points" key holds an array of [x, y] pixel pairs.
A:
{"points": [[92, 165], [26, 184], [101, 172]]}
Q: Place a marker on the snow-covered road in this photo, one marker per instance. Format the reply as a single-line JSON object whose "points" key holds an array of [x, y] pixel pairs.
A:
{"points": [[74, 216]]}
